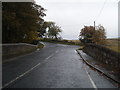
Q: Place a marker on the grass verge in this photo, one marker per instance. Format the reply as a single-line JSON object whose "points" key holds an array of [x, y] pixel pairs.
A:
{"points": [[40, 45], [67, 42], [81, 48], [113, 44]]}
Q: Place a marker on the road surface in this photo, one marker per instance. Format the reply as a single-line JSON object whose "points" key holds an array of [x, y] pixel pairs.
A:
{"points": [[54, 66]]}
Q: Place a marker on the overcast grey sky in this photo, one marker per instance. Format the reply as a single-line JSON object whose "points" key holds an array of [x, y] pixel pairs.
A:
{"points": [[72, 15]]}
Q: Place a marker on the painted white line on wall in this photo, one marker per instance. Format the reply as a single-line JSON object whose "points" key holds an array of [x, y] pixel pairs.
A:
{"points": [[93, 83], [20, 76]]}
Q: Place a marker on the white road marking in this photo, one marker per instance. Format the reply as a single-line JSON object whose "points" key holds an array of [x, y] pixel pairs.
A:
{"points": [[24, 73], [56, 51], [49, 56], [20, 76], [93, 83], [75, 51], [62, 45], [52, 55]]}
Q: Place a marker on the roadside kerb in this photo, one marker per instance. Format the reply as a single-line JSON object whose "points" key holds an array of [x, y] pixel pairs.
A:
{"points": [[98, 69]]}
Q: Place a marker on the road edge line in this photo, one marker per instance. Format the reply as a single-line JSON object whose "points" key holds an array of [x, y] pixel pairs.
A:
{"points": [[23, 74], [97, 69], [93, 83]]}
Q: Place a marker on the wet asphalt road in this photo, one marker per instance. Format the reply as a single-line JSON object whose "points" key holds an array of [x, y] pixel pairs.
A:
{"points": [[54, 66]]}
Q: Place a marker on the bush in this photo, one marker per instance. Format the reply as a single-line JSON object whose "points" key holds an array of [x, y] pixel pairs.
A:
{"points": [[35, 42]]}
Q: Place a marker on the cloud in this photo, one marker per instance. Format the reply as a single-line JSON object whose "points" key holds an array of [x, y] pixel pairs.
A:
{"points": [[16, 0], [72, 15]]}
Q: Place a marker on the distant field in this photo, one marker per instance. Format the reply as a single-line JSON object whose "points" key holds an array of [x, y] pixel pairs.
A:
{"points": [[68, 42], [113, 44], [75, 41]]}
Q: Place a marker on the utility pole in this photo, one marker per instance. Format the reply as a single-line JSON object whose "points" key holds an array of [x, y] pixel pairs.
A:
{"points": [[94, 25]]}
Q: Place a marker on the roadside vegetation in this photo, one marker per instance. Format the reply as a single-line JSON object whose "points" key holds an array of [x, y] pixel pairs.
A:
{"points": [[104, 51], [95, 35], [67, 42], [23, 23], [81, 47], [40, 45], [92, 35], [113, 44]]}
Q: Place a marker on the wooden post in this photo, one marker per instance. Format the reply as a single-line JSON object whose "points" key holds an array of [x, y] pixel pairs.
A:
{"points": [[94, 25]]}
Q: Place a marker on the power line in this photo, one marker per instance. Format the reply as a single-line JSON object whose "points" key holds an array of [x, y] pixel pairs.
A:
{"points": [[115, 3], [101, 10]]}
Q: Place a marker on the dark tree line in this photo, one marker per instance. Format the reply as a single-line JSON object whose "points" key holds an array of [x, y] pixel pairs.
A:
{"points": [[21, 21]]}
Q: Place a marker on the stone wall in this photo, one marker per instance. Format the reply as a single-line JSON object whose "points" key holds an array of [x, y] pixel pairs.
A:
{"points": [[13, 50], [103, 55]]}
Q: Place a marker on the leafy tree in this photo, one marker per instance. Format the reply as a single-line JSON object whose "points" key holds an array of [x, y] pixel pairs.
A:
{"points": [[54, 30], [86, 34], [89, 34], [21, 21], [42, 31], [100, 35]]}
